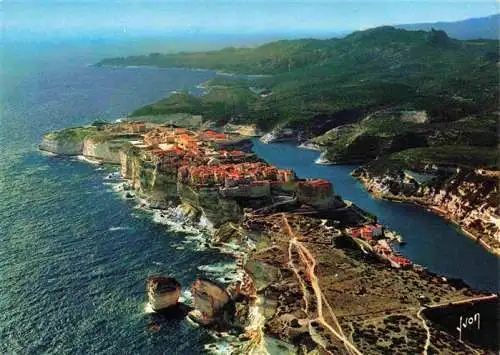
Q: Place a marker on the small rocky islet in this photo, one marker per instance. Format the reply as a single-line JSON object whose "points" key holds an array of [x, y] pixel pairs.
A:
{"points": [[318, 272]]}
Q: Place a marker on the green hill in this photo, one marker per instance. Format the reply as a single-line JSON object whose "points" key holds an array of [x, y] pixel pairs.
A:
{"points": [[317, 85]]}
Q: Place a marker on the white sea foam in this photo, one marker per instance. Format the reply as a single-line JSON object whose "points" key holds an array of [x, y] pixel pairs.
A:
{"points": [[224, 272], [148, 309], [195, 234], [193, 241], [175, 218], [143, 204], [114, 176], [206, 224], [117, 187], [186, 297], [47, 153], [119, 228], [220, 347], [88, 160], [321, 160]]}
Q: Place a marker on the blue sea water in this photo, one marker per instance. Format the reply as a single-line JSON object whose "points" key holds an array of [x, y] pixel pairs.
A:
{"points": [[74, 255]]}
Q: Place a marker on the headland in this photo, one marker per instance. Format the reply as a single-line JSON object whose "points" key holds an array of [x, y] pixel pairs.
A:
{"points": [[319, 272]]}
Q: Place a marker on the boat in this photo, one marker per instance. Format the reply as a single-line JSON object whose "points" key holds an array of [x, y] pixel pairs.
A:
{"points": [[163, 292]]}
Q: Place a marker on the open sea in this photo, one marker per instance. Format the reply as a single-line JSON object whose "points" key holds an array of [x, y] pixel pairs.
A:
{"points": [[74, 254]]}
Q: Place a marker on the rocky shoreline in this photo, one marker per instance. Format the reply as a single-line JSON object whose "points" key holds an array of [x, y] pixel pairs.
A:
{"points": [[317, 272], [463, 201]]}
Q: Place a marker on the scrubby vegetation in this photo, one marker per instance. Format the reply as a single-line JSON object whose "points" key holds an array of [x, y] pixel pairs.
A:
{"points": [[383, 133], [460, 156], [75, 134], [314, 86], [182, 102]]}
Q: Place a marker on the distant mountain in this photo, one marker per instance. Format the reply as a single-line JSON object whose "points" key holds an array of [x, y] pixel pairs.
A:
{"points": [[474, 28]]}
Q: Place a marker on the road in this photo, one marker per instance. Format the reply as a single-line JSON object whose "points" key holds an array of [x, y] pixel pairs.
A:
{"points": [[468, 300], [308, 260], [427, 330]]}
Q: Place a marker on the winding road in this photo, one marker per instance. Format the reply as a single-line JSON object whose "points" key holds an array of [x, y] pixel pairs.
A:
{"points": [[309, 262]]}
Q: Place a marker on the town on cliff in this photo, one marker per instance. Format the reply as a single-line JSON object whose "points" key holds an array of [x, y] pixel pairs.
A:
{"points": [[319, 273]]}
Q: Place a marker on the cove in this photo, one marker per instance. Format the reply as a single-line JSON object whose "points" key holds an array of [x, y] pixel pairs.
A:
{"points": [[431, 241]]}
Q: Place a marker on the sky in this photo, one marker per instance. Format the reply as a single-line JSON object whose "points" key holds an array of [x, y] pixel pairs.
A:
{"points": [[41, 18]]}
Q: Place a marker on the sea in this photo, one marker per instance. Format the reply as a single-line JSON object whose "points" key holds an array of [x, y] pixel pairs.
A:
{"points": [[75, 254]]}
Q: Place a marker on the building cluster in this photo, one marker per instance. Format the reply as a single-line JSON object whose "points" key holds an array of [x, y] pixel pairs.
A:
{"points": [[373, 235], [163, 135], [171, 148], [208, 159], [127, 127], [199, 163], [367, 232], [384, 250], [230, 175], [212, 136]]}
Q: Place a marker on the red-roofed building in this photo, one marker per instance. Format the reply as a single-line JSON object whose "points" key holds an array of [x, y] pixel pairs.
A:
{"points": [[236, 153], [187, 142], [212, 136]]}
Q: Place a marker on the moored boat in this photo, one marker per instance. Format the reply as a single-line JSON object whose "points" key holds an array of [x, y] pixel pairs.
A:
{"points": [[163, 292]]}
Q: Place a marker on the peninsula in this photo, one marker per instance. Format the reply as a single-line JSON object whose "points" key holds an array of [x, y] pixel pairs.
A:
{"points": [[319, 272]]}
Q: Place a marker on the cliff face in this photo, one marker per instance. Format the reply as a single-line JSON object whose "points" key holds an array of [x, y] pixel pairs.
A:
{"points": [[67, 141], [211, 302], [208, 201], [245, 130], [107, 151], [159, 186], [61, 147], [469, 198]]}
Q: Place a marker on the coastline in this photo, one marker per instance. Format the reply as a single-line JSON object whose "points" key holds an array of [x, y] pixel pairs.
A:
{"points": [[434, 209], [216, 71], [255, 265], [87, 247], [240, 254]]}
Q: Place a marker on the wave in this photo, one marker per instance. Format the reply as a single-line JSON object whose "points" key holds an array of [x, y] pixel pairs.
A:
{"points": [[47, 153], [112, 229], [186, 297], [180, 222], [148, 309], [89, 160], [322, 161], [222, 346], [223, 272], [114, 176]]}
